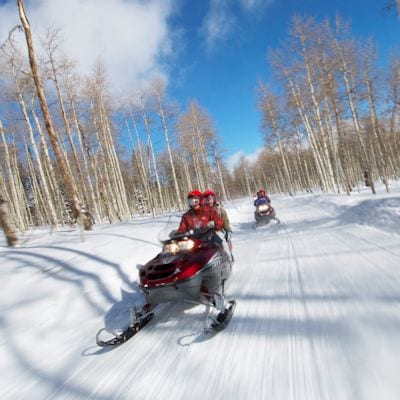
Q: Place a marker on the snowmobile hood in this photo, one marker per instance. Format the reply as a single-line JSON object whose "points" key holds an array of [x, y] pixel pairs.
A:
{"points": [[169, 268]]}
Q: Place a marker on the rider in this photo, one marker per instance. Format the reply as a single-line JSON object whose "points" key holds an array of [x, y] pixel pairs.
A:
{"points": [[262, 198], [198, 216], [202, 217], [209, 201]]}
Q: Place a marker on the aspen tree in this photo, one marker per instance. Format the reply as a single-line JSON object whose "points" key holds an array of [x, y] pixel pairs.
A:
{"points": [[110, 202], [37, 193], [393, 82], [379, 145], [143, 104], [56, 195], [218, 163], [137, 167], [23, 223], [22, 85], [13, 178], [85, 153], [75, 204], [203, 133], [302, 30], [347, 76], [113, 158], [159, 88], [268, 106], [330, 85], [394, 93], [51, 46], [5, 223], [143, 172]]}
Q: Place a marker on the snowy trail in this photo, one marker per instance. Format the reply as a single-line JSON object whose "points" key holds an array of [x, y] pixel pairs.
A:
{"points": [[317, 316]]}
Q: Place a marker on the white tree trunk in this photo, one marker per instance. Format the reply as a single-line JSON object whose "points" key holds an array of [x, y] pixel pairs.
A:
{"points": [[153, 158], [5, 223]]}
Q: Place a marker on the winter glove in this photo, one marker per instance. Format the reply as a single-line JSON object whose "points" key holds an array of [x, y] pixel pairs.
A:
{"points": [[211, 224], [228, 236], [173, 233]]}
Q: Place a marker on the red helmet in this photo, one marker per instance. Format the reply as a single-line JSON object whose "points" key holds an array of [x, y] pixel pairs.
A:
{"points": [[261, 191], [194, 199], [208, 193], [194, 193]]}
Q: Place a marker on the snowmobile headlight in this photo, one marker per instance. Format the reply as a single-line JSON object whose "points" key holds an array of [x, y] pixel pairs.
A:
{"points": [[263, 207], [186, 244], [171, 248]]}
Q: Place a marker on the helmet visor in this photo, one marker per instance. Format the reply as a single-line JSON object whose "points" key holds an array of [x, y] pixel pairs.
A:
{"points": [[193, 201]]}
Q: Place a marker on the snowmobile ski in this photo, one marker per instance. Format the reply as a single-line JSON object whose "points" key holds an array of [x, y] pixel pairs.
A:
{"points": [[119, 338], [222, 320]]}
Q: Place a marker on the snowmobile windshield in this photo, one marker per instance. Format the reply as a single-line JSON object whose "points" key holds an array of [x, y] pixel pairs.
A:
{"points": [[170, 231], [170, 227]]}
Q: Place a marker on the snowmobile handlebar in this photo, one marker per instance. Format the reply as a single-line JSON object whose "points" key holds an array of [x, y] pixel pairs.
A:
{"points": [[197, 233]]}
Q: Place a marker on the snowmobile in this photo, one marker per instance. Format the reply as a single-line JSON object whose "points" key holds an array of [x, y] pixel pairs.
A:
{"points": [[264, 214], [192, 266]]}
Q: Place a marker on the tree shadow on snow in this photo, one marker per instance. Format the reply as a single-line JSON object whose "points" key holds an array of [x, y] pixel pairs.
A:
{"points": [[65, 270], [54, 381]]}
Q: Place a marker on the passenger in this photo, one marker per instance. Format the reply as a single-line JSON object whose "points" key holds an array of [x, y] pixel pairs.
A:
{"points": [[198, 216], [209, 201]]}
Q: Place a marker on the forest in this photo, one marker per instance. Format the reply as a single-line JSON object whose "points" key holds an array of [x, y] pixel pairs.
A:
{"points": [[71, 152]]}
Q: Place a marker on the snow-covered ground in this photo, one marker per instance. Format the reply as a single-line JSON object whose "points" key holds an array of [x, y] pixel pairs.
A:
{"points": [[317, 316]]}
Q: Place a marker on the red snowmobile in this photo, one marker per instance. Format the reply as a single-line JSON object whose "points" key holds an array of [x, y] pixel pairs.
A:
{"points": [[191, 267]]}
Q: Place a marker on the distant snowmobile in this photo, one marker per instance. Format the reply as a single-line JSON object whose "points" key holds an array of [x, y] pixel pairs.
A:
{"points": [[264, 214], [193, 267]]}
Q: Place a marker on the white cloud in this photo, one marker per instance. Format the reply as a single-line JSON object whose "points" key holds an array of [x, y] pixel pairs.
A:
{"points": [[249, 4], [221, 23], [130, 37], [255, 5], [218, 23], [234, 159]]}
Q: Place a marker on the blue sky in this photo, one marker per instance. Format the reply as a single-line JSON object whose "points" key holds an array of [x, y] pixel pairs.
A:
{"points": [[211, 50], [223, 78]]}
